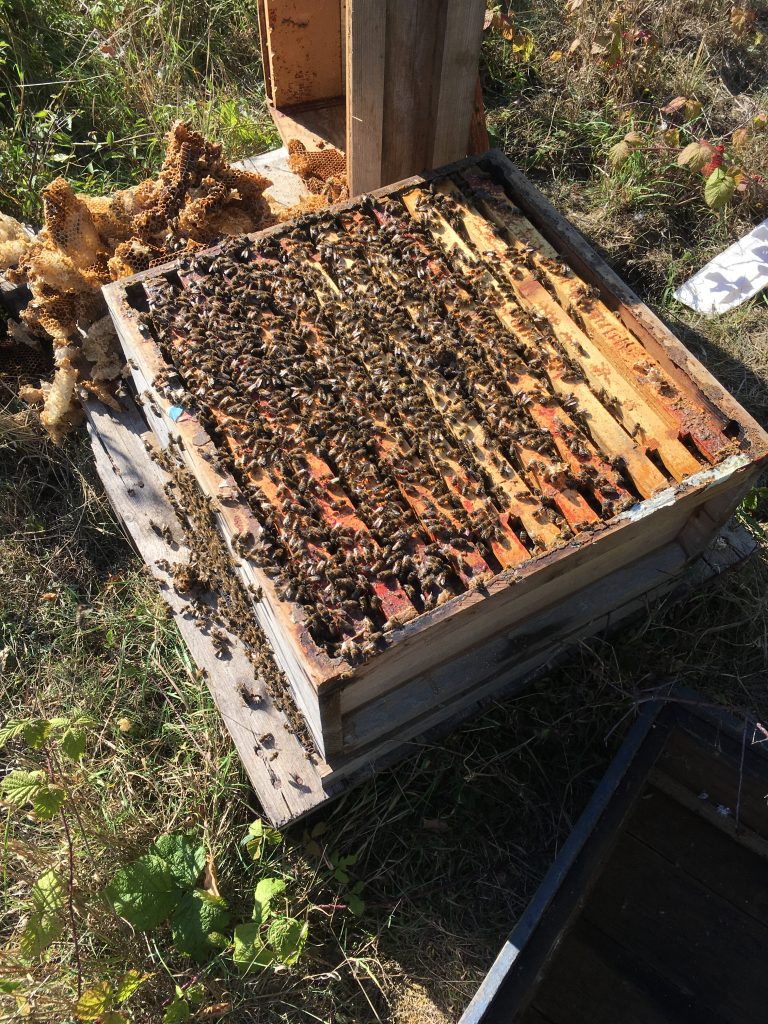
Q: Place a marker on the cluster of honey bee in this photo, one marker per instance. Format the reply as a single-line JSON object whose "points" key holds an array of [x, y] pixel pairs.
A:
{"points": [[333, 363]]}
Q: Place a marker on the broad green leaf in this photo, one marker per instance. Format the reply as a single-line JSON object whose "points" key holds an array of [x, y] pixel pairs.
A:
{"points": [[356, 904], [177, 1012], [198, 916], [263, 894], [13, 727], [49, 893], [37, 732], [49, 801], [7, 986], [94, 1001], [114, 1017], [128, 984], [259, 837], [41, 930], [21, 787], [250, 950], [144, 892], [184, 855], [719, 189], [72, 742], [287, 937]]}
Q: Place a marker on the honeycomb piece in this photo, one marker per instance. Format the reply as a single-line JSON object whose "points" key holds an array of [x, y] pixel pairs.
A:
{"points": [[14, 242], [87, 241]]}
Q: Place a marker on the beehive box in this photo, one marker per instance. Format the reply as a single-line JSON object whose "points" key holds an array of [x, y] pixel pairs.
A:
{"points": [[439, 435], [654, 909]]}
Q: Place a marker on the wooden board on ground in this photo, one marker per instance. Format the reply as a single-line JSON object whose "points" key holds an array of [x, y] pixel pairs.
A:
{"points": [[654, 911]]}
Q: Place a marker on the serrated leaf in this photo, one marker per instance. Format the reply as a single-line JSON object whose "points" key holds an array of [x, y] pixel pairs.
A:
{"points": [[177, 1012], [72, 743], [49, 893], [250, 950], [94, 1001], [259, 837], [128, 984], [695, 155], [195, 994], [287, 937], [13, 728], [184, 854], [144, 892], [49, 801], [37, 732], [197, 916], [20, 787], [40, 931], [263, 894], [719, 189]]}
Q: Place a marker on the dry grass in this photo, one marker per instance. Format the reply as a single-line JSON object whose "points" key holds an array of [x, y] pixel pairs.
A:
{"points": [[453, 843]]}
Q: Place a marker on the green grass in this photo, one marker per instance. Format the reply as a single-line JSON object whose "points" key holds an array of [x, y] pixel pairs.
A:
{"points": [[452, 844]]}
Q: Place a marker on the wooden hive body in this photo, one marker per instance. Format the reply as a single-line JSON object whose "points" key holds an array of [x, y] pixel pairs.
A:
{"points": [[693, 455]]}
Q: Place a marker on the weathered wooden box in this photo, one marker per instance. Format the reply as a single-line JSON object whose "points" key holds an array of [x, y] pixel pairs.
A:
{"points": [[655, 909], [635, 459]]}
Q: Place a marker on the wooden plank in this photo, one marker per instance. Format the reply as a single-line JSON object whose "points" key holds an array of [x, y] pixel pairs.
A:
{"points": [[638, 418], [411, 74], [682, 930], [593, 980], [304, 45], [365, 74], [609, 435], [737, 790], [616, 342], [135, 485], [707, 853], [673, 356], [458, 79]]}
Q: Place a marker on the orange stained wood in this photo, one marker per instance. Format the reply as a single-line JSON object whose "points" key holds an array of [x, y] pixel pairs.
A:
{"points": [[630, 407], [679, 409], [609, 435], [505, 544], [465, 428], [551, 481]]}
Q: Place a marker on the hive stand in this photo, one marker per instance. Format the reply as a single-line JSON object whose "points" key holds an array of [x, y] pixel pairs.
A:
{"points": [[289, 784]]}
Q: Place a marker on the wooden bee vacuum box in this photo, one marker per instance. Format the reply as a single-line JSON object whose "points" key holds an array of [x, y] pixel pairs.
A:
{"points": [[440, 437]]}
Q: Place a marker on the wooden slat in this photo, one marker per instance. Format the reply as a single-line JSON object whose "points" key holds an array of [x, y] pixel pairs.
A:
{"points": [[366, 58], [464, 426], [613, 338], [411, 73], [458, 302], [505, 544], [337, 509], [708, 854], [682, 930], [609, 435], [458, 79], [627, 404]]}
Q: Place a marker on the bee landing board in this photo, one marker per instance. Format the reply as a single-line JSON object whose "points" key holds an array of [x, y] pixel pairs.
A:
{"points": [[440, 436]]}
